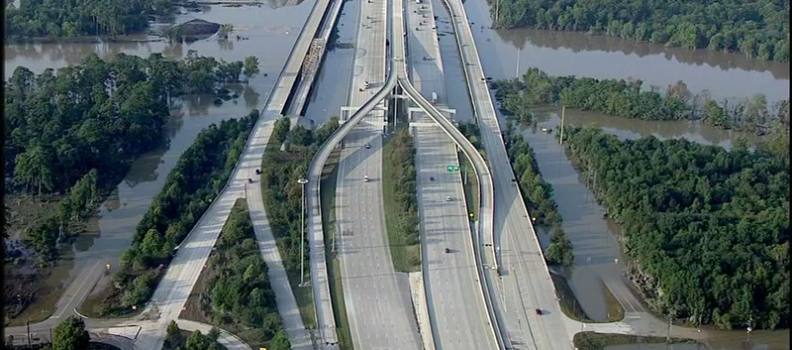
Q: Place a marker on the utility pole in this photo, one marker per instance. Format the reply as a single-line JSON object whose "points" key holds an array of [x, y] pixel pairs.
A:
{"points": [[561, 134], [302, 182], [497, 7]]}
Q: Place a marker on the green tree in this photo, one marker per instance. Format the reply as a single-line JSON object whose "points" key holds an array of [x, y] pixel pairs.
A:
{"points": [[70, 335], [251, 67]]}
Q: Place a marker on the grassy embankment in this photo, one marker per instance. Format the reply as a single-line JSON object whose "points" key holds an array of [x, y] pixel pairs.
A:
{"points": [[599, 341], [400, 201], [328, 191], [281, 193], [233, 291]]}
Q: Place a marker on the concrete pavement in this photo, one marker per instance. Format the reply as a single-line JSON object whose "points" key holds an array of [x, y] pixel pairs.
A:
{"points": [[377, 298], [456, 304]]}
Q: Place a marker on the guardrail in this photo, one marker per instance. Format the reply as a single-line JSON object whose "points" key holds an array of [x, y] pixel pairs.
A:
{"points": [[456, 136], [497, 123], [476, 110]]}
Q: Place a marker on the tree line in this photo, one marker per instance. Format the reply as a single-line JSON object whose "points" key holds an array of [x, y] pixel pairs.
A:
{"points": [[67, 335], [538, 196], [78, 131], [708, 229], [198, 177], [239, 297], [757, 29], [628, 99], [286, 159], [401, 212], [175, 340], [73, 18]]}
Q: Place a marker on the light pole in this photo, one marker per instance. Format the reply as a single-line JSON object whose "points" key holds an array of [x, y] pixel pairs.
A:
{"points": [[302, 182]]}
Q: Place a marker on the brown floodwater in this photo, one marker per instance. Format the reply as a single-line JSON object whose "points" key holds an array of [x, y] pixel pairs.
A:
{"points": [[271, 32], [724, 75], [508, 53], [595, 239]]}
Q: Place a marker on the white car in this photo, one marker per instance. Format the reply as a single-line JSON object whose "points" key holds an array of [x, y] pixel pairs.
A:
{"points": [[448, 198], [365, 178]]}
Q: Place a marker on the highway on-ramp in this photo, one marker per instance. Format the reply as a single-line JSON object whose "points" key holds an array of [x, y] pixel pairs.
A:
{"points": [[457, 310]]}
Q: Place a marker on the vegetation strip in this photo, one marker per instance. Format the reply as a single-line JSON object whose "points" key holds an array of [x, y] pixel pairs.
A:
{"points": [[538, 197], [286, 159], [707, 229], [328, 191], [77, 132], [757, 29], [400, 201], [628, 99], [196, 180], [233, 291]]}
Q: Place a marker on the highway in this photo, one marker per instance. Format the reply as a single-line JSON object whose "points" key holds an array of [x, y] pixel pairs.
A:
{"points": [[525, 285], [457, 309], [377, 297]]}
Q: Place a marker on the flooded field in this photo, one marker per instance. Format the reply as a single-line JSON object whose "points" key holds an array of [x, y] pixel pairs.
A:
{"points": [[271, 32], [595, 239]]}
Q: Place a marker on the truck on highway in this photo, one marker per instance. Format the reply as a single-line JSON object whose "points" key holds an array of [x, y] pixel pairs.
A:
{"points": [[434, 98]]}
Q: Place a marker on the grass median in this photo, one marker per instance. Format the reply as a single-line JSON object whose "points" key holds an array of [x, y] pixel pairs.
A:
{"points": [[328, 191], [400, 201], [233, 291], [470, 184]]}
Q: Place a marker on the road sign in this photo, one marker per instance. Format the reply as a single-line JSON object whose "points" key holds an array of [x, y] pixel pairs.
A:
{"points": [[452, 168]]}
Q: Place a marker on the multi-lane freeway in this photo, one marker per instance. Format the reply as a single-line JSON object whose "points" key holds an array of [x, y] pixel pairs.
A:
{"points": [[456, 306], [377, 297]]}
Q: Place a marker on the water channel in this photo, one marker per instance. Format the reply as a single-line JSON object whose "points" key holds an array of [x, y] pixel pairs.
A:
{"points": [[271, 32], [508, 53]]}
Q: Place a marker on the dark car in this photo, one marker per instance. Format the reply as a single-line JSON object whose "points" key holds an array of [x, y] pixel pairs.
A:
{"points": [[447, 250], [258, 171], [538, 311], [368, 146], [250, 181], [431, 178]]}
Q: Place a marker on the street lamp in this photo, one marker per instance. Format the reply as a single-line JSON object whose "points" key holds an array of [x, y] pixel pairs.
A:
{"points": [[302, 182]]}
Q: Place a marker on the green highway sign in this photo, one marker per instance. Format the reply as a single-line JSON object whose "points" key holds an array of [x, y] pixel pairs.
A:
{"points": [[452, 168]]}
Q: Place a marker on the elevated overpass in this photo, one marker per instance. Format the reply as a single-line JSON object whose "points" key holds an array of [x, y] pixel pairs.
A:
{"points": [[396, 76]]}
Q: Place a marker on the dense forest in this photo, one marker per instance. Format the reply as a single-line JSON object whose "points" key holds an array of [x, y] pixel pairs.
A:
{"points": [[98, 115], [757, 29], [236, 292], [538, 196], [196, 180], [400, 201], [77, 132], [282, 194], [708, 229], [628, 99], [72, 18]]}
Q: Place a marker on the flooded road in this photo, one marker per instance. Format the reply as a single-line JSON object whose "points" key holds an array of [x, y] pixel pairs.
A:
{"points": [[508, 53], [595, 239], [271, 31], [570, 53], [331, 89]]}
